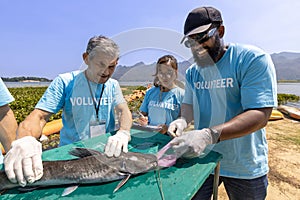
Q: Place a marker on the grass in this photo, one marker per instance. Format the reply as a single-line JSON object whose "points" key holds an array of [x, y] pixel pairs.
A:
{"points": [[292, 139]]}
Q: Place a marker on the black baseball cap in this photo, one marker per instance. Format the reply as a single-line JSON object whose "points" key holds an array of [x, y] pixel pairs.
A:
{"points": [[200, 20]]}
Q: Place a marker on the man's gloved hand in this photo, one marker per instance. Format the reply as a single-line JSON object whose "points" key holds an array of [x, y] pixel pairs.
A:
{"points": [[192, 143], [23, 162], [176, 127], [117, 142]]}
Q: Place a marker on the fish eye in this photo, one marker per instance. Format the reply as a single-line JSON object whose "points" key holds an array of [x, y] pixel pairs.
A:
{"points": [[133, 158]]}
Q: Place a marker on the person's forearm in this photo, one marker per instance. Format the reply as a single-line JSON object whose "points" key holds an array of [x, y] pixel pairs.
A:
{"points": [[125, 119], [8, 127], [187, 112], [243, 124], [33, 124]]}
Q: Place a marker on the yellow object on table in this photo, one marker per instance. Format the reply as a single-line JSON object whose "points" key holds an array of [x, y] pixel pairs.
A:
{"points": [[52, 127], [276, 115]]}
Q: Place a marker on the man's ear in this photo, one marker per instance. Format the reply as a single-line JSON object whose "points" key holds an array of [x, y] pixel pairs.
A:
{"points": [[85, 57], [221, 31], [117, 61]]}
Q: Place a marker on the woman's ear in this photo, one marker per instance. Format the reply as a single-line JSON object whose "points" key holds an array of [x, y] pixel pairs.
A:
{"points": [[85, 57]]}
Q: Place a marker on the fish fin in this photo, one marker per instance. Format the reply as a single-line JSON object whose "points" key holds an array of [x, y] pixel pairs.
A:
{"points": [[124, 180], [84, 152], [2, 191], [69, 190], [27, 189]]}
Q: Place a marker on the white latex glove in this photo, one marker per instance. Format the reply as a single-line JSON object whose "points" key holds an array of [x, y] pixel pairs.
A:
{"points": [[192, 143], [176, 127], [23, 162], [117, 142]]}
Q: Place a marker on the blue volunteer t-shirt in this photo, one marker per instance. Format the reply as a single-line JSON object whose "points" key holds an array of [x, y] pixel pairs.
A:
{"points": [[5, 98], [243, 79], [162, 107], [70, 92]]}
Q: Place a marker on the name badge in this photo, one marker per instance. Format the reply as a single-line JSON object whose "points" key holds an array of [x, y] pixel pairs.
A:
{"points": [[97, 128]]}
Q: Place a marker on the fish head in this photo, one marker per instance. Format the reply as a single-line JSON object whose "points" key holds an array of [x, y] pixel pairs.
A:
{"points": [[135, 163]]}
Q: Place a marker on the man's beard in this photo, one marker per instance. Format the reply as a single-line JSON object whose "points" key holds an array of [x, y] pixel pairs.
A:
{"points": [[205, 57]]}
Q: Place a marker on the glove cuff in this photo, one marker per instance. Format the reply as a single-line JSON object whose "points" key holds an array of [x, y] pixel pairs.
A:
{"points": [[215, 135], [125, 132], [26, 139], [185, 122]]}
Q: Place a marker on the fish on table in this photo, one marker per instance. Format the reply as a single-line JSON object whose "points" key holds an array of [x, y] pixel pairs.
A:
{"points": [[89, 167]]}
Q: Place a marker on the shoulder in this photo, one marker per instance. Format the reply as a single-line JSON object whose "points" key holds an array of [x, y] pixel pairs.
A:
{"points": [[5, 96], [246, 50], [66, 80], [193, 67], [152, 90], [245, 56], [69, 75], [178, 91], [112, 83]]}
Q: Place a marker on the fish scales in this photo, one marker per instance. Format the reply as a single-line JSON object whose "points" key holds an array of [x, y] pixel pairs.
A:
{"points": [[83, 170], [91, 167]]}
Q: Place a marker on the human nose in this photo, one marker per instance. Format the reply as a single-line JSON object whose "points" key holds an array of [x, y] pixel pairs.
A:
{"points": [[104, 71]]}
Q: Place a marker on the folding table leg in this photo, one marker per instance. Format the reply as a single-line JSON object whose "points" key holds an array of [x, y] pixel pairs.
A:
{"points": [[216, 181]]}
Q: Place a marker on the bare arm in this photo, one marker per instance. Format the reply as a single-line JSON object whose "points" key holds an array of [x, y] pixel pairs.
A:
{"points": [[8, 126], [244, 123], [187, 112], [241, 125], [33, 124], [125, 119]]}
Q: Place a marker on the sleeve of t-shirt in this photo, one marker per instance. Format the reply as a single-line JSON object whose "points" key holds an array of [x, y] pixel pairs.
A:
{"points": [[119, 95], [5, 96], [188, 90], [258, 83], [53, 98]]}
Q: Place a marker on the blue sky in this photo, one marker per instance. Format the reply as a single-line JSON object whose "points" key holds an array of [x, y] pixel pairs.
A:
{"points": [[46, 38]]}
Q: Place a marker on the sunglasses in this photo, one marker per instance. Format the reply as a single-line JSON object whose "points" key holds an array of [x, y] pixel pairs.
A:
{"points": [[200, 38], [168, 74]]}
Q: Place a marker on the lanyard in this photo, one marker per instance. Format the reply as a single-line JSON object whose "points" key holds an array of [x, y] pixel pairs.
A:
{"points": [[96, 106]]}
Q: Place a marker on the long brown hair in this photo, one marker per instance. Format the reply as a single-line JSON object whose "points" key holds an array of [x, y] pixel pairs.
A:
{"points": [[166, 59]]}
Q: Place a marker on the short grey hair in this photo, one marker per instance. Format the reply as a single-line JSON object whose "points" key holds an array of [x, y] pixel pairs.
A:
{"points": [[102, 44]]}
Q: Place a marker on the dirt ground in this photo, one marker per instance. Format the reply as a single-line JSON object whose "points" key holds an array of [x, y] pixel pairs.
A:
{"points": [[284, 160]]}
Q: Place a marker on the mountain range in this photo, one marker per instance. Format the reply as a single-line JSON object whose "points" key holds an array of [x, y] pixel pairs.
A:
{"points": [[287, 65]]}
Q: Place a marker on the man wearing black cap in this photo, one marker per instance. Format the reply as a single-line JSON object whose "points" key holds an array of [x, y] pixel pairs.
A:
{"points": [[230, 92]]}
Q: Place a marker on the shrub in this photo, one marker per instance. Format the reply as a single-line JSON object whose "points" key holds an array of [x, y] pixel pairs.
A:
{"points": [[284, 98]]}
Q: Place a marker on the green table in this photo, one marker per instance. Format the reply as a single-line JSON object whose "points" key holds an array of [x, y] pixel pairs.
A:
{"points": [[177, 182]]}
